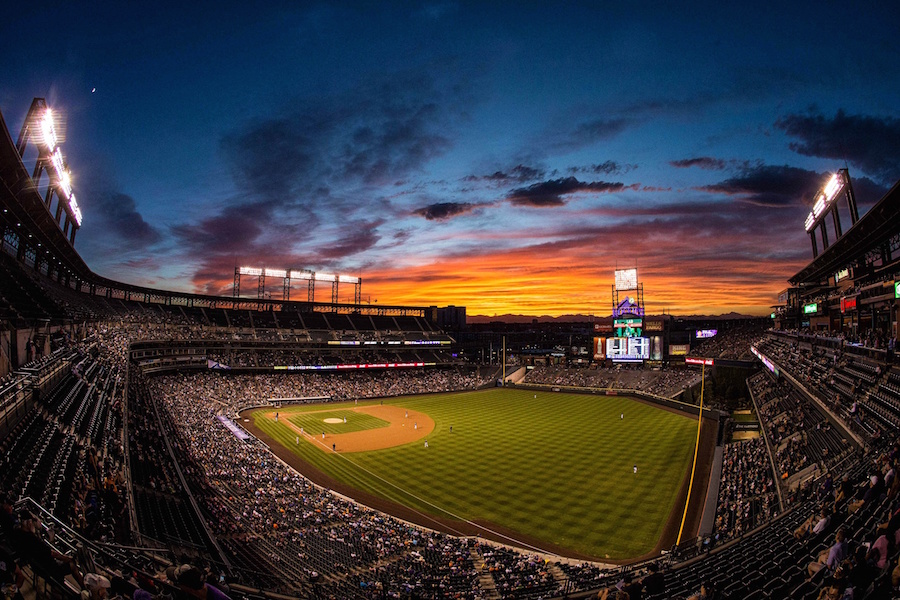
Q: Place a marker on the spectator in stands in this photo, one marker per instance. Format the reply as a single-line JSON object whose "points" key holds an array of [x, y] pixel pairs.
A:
{"points": [[96, 587], [10, 573], [830, 559], [707, 592], [833, 589], [36, 552], [190, 580], [654, 582], [873, 493], [895, 575], [815, 524], [844, 491], [880, 551], [633, 588]]}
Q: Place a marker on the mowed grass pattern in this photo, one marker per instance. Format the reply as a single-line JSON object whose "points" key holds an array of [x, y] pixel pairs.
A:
{"points": [[314, 422], [556, 468]]}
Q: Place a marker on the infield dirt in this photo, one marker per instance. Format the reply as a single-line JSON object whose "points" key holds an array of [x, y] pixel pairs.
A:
{"points": [[404, 426]]}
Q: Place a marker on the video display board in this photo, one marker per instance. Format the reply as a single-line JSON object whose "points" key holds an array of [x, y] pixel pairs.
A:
{"points": [[628, 327], [635, 349]]}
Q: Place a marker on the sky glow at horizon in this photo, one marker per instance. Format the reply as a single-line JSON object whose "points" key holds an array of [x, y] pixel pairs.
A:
{"points": [[506, 158]]}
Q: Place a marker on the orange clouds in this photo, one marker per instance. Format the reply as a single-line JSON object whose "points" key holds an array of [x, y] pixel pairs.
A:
{"points": [[557, 283]]}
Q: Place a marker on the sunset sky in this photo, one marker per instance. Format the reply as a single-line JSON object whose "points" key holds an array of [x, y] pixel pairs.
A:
{"points": [[503, 156]]}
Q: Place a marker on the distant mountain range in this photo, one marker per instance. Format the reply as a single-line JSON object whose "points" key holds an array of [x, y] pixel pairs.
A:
{"points": [[508, 318]]}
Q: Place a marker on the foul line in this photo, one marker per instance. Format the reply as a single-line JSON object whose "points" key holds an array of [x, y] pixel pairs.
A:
{"points": [[687, 500]]}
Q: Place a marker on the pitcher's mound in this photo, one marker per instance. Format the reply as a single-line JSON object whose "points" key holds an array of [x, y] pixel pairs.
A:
{"points": [[333, 420]]}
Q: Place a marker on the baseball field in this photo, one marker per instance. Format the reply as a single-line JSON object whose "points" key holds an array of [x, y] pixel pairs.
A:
{"points": [[588, 476]]}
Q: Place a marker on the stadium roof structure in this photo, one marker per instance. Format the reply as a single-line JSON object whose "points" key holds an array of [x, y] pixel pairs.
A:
{"points": [[874, 237]]}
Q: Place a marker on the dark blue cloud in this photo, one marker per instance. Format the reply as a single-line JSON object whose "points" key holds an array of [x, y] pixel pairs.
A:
{"points": [[871, 144], [607, 167], [550, 193], [786, 186], [442, 211], [590, 131], [518, 174], [375, 134], [701, 162], [354, 237], [773, 186], [118, 215]]}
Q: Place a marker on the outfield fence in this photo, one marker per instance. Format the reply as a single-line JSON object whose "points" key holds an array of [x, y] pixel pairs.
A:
{"points": [[691, 409]]}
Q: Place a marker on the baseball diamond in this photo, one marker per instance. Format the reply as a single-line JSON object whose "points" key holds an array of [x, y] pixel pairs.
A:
{"points": [[547, 471]]}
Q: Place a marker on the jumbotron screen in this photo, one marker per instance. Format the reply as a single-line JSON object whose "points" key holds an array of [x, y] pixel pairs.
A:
{"points": [[633, 349]]}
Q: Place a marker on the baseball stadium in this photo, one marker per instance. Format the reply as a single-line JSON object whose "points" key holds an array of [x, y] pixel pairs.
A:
{"points": [[274, 433], [158, 443]]}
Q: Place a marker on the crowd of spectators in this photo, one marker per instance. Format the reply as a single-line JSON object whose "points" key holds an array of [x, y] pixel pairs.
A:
{"points": [[733, 343], [253, 497], [267, 358], [305, 537], [298, 535], [846, 383], [747, 494], [664, 381], [870, 338], [516, 574]]}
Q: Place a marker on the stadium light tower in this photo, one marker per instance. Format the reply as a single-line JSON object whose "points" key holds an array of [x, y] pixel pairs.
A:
{"points": [[303, 276], [287, 276], [41, 128], [825, 203]]}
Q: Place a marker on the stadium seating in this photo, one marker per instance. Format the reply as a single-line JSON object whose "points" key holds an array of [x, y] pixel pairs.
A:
{"points": [[68, 453]]}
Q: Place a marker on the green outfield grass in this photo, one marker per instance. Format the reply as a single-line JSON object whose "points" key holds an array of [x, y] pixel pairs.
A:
{"points": [[314, 422], [557, 468]]}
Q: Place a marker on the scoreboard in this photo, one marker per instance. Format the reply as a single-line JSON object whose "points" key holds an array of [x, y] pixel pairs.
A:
{"points": [[633, 349], [628, 345]]}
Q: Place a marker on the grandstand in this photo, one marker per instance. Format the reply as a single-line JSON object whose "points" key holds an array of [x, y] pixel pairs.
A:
{"points": [[107, 392]]}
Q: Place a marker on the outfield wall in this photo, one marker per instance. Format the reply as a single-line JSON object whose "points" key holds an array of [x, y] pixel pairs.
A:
{"points": [[688, 409]]}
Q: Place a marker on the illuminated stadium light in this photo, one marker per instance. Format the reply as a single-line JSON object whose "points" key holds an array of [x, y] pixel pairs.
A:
{"points": [[833, 186], [326, 277], [276, 273], [819, 206], [57, 160], [810, 221], [348, 279], [824, 198], [49, 138], [65, 184], [76, 212], [301, 275], [250, 271]]}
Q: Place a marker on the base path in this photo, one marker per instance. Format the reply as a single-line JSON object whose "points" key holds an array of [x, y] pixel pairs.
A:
{"points": [[404, 426]]}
